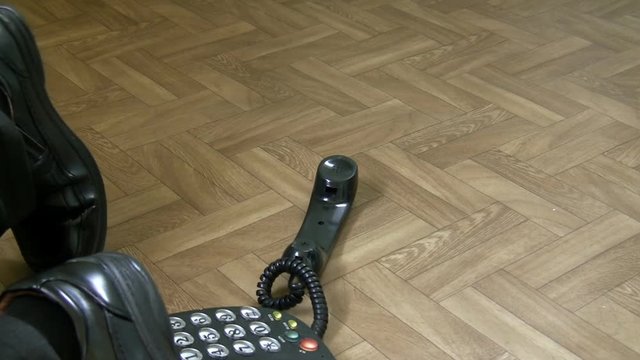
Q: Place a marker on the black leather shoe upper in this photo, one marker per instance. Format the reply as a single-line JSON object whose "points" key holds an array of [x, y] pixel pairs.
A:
{"points": [[70, 219], [114, 305]]}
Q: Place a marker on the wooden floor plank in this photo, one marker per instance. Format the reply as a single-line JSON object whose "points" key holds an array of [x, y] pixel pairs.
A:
{"points": [[150, 224], [361, 351], [321, 92], [210, 255], [451, 241], [627, 153], [247, 130], [338, 127], [614, 172], [379, 50], [346, 24], [182, 178], [551, 319], [592, 144], [385, 339], [510, 32], [614, 320], [409, 94], [540, 55], [420, 24], [537, 209], [227, 175], [627, 295], [514, 103], [140, 203], [610, 193], [556, 68], [574, 249], [376, 134], [498, 145], [478, 142], [604, 104], [555, 135], [367, 95], [423, 203], [503, 327], [543, 185], [447, 278], [431, 178], [284, 42], [580, 286], [454, 96], [172, 118], [117, 165], [77, 71], [437, 135], [212, 226], [449, 333]]}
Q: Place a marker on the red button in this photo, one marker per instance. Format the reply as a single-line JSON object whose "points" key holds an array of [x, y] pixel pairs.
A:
{"points": [[308, 344]]}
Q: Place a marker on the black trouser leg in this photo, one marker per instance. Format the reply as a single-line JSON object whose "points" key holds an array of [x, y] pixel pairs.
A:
{"points": [[25, 341], [17, 197]]}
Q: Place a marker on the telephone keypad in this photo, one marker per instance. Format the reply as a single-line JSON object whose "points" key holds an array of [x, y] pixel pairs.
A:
{"points": [[243, 333]]}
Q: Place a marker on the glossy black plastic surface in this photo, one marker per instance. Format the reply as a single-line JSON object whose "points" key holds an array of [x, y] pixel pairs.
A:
{"points": [[333, 194], [229, 341]]}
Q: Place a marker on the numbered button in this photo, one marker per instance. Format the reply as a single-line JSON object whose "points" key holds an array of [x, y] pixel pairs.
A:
{"points": [[199, 319], [269, 344], [183, 339], [209, 335], [190, 354], [250, 313], [259, 328], [218, 351], [234, 331], [243, 347], [225, 315], [177, 323]]}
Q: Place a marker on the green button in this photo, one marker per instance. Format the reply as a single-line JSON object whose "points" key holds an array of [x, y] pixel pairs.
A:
{"points": [[277, 315], [291, 336]]}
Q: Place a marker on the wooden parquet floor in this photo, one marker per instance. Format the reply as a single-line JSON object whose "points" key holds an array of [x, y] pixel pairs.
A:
{"points": [[498, 141]]}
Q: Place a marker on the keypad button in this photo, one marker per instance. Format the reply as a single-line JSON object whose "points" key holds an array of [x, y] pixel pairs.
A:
{"points": [[291, 336], [234, 331], [292, 324], [250, 313], [190, 354], [182, 339], [309, 344], [218, 351], [243, 347], [209, 335], [199, 319], [269, 344], [177, 323], [277, 315], [225, 315], [259, 328]]}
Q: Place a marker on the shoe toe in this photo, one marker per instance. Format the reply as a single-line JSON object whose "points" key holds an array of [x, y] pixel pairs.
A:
{"points": [[116, 308]]}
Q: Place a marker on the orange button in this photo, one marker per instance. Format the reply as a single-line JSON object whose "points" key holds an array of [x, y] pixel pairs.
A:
{"points": [[308, 344]]}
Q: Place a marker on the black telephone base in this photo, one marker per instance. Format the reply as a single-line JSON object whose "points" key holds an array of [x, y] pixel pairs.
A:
{"points": [[244, 333]]}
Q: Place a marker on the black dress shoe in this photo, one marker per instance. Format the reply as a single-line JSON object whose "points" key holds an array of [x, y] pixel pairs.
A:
{"points": [[70, 219], [115, 308]]}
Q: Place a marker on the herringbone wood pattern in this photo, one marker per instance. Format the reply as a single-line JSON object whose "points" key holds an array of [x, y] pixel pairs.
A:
{"points": [[498, 140]]}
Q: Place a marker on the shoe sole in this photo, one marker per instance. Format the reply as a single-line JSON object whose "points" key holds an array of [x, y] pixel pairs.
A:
{"points": [[25, 43]]}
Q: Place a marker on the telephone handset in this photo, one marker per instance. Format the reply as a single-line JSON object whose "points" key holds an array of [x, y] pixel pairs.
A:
{"points": [[270, 332]]}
